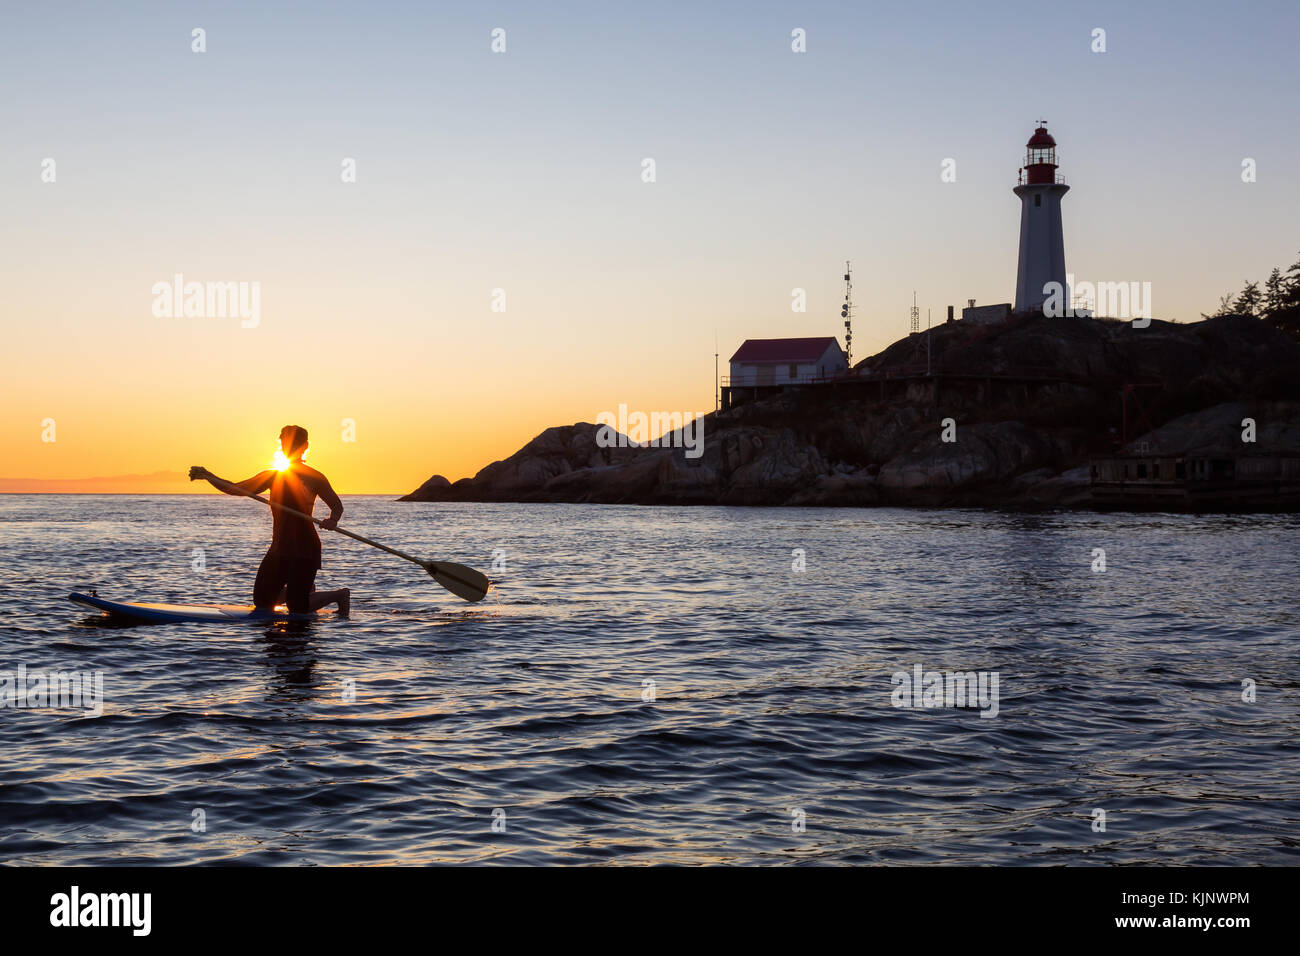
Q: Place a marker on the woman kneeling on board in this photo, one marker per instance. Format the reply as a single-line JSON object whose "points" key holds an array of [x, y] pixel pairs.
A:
{"points": [[293, 559]]}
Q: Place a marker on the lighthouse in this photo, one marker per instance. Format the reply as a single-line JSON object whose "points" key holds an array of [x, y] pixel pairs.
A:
{"points": [[1042, 249]]}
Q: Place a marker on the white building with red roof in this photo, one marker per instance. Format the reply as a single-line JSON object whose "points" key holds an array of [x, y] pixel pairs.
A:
{"points": [[773, 362]]}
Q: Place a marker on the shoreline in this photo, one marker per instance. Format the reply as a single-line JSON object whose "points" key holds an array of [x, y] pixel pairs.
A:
{"points": [[1217, 430]]}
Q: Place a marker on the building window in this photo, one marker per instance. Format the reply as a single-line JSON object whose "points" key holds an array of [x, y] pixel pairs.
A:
{"points": [[794, 372], [1038, 199]]}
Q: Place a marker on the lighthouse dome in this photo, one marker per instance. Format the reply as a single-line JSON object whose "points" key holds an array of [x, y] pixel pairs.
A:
{"points": [[1040, 158], [1041, 137]]}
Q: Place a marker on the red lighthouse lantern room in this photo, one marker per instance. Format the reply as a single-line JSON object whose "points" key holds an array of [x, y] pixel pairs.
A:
{"points": [[1040, 158]]}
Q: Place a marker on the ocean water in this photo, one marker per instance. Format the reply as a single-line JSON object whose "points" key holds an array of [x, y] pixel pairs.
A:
{"points": [[659, 685]]}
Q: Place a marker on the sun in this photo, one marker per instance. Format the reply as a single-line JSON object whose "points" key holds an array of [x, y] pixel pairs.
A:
{"points": [[279, 461]]}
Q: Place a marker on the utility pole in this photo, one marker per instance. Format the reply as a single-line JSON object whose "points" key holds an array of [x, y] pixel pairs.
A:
{"points": [[717, 392], [927, 341], [846, 313]]}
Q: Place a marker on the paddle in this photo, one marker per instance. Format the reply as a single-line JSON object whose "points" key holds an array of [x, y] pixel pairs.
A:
{"points": [[462, 581]]}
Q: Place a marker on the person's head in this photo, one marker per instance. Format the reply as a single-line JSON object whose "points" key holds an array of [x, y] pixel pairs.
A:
{"points": [[293, 442]]}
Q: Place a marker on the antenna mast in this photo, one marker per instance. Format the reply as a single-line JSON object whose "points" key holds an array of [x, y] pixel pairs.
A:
{"points": [[846, 312], [916, 315], [717, 393]]}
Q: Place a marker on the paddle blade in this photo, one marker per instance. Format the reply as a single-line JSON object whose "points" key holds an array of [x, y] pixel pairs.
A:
{"points": [[459, 580]]}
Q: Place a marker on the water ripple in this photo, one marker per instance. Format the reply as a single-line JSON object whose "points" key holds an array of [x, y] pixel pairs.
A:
{"points": [[658, 685]]}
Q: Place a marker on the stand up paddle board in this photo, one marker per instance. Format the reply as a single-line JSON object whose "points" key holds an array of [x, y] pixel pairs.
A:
{"points": [[181, 613]]}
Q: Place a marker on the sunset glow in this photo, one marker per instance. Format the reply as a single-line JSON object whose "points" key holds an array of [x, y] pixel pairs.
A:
{"points": [[498, 266]]}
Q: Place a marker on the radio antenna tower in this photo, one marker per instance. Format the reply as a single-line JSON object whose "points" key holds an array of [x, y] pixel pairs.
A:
{"points": [[846, 312], [916, 315]]}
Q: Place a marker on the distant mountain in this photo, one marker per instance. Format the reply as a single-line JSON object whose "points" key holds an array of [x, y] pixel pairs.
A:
{"points": [[158, 482], [1031, 400]]}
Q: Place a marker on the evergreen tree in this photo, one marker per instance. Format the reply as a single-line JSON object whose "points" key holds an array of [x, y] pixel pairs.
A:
{"points": [[1286, 316], [1248, 302], [1274, 290], [1291, 286], [1278, 303], [1225, 307]]}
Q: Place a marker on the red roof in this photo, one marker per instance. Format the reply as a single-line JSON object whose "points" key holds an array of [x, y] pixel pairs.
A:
{"points": [[780, 351], [1041, 137]]}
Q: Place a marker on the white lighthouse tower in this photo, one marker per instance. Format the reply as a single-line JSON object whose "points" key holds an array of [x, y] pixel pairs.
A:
{"points": [[1042, 249]]}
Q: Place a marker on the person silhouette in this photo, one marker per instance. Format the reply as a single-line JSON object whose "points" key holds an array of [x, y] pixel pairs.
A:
{"points": [[288, 570]]}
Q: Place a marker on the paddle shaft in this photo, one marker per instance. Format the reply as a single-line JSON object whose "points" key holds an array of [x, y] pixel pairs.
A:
{"points": [[464, 582], [343, 531]]}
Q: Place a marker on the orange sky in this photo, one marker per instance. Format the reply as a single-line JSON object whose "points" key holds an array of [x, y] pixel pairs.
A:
{"points": [[133, 394], [523, 171], [204, 391]]}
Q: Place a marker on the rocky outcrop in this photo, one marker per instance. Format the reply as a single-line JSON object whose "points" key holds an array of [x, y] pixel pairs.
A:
{"points": [[430, 490], [1218, 430], [986, 453], [1023, 443]]}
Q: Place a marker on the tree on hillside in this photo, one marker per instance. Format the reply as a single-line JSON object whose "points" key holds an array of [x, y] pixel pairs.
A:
{"points": [[1277, 304], [1274, 290], [1286, 313], [1225, 307], [1291, 286], [1248, 301]]}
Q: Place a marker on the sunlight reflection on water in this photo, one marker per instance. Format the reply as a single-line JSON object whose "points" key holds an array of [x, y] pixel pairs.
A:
{"points": [[657, 685]]}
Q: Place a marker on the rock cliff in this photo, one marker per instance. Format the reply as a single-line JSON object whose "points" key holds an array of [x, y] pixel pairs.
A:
{"points": [[1029, 402]]}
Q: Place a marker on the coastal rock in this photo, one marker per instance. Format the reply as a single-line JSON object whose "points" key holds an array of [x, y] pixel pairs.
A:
{"points": [[1218, 431], [635, 480], [1033, 399], [556, 451], [988, 452], [435, 489], [681, 480], [764, 466], [841, 490], [1069, 488]]}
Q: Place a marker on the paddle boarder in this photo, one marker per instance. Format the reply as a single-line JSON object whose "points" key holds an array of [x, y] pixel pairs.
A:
{"points": [[289, 568]]}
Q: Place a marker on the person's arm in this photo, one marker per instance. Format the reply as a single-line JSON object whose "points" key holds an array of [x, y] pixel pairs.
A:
{"points": [[249, 486], [327, 495]]}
